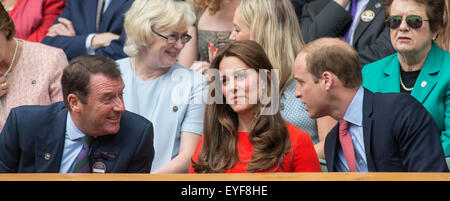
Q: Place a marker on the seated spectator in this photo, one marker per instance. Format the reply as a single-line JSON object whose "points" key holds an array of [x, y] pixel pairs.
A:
{"points": [[359, 22], [256, 20], [33, 18], [89, 132], [238, 136], [81, 29], [443, 39], [156, 86], [377, 132], [210, 33], [298, 6], [420, 67], [30, 73]]}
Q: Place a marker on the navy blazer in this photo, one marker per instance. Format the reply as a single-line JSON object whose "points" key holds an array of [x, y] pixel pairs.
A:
{"points": [[32, 141], [399, 136], [82, 13], [326, 18]]}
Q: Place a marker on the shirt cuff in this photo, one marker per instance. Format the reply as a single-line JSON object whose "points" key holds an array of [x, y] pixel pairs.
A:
{"points": [[89, 49]]}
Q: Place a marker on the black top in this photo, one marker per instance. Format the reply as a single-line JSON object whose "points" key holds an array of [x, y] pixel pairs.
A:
{"points": [[408, 79]]}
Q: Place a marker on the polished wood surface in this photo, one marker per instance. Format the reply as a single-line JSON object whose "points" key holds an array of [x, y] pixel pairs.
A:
{"points": [[232, 177]]}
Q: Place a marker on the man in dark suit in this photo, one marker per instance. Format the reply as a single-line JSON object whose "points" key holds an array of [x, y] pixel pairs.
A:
{"points": [[90, 27], [389, 132], [365, 30], [89, 132]]}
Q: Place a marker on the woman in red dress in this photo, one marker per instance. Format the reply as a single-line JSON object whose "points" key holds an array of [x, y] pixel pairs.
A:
{"points": [[245, 132]]}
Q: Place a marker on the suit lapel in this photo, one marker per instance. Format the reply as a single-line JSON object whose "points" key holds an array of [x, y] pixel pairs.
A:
{"points": [[50, 145], [89, 11], [427, 77], [110, 13], [331, 148], [367, 128], [391, 81], [362, 26]]}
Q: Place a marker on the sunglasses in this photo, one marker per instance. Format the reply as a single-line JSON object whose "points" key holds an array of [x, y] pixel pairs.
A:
{"points": [[413, 21]]}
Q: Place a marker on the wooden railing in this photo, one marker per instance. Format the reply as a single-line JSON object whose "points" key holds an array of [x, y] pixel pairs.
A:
{"points": [[232, 177]]}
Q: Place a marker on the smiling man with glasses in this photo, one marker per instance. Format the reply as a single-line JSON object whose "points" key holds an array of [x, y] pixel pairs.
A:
{"points": [[419, 67]]}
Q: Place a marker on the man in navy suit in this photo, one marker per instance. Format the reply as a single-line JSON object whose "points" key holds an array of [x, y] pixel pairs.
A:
{"points": [[90, 27], [389, 132], [364, 28], [90, 126]]}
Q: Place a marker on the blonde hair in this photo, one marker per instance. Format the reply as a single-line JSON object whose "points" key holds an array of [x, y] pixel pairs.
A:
{"points": [[146, 16], [274, 25], [443, 39]]}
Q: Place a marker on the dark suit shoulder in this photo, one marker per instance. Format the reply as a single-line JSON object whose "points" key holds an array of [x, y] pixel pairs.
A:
{"points": [[133, 119], [132, 124], [395, 100], [39, 113]]}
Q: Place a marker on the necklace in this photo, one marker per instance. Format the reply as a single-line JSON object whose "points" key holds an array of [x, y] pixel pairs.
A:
{"points": [[403, 85], [12, 61]]}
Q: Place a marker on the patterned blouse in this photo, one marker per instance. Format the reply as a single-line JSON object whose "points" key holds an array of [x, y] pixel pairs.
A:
{"points": [[218, 38], [293, 111], [35, 80]]}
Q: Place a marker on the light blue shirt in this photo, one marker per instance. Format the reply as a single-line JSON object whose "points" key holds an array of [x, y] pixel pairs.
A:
{"points": [[362, 4], [91, 36], [72, 146], [354, 116], [173, 103]]}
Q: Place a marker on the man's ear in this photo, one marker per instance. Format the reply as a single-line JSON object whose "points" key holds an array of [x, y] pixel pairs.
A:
{"points": [[327, 79], [74, 103]]}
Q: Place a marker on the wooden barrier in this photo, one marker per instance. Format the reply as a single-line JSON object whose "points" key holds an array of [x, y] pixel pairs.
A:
{"points": [[232, 177]]}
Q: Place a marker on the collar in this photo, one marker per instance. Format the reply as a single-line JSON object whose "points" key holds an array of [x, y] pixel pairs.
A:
{"points": [[353, 113], [72, 132], [432, 63]]}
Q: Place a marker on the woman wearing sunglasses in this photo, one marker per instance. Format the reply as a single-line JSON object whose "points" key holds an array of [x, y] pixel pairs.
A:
{"points": [[419, 67], [156, 86]]}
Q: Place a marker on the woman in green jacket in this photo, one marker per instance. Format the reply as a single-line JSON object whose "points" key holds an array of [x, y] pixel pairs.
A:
{"points": [[419, 67]]}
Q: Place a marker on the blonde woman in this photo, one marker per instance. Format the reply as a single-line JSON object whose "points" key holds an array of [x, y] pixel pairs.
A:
{"points": [[274, 25], [156, 32], [443, 39]]}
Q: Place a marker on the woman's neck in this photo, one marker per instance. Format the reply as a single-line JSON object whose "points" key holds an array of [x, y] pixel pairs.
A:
{"points": [[245, 121], [413, 61], [145, 69], [227, 9]]}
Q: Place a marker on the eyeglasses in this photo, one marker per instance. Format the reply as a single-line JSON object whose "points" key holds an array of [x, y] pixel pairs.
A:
{"points": [[172, 39], [413, 21]]}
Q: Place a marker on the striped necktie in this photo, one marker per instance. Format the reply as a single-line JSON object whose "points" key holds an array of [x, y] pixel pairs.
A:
{"points": [[98, 18], [82, 163]]}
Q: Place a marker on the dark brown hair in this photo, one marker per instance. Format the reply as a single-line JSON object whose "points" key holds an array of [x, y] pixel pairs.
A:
{"points": [[434, 10], [336, 56], [6, 23], [76, 76], [268, 133]]}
